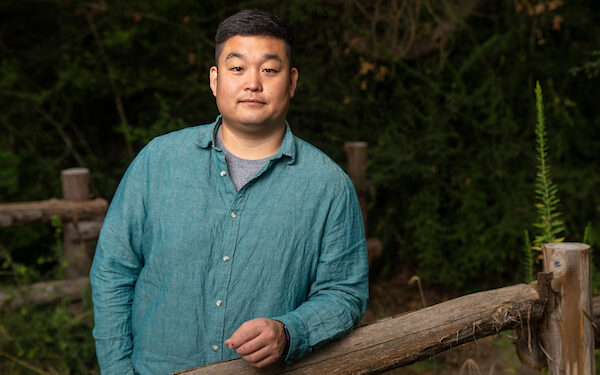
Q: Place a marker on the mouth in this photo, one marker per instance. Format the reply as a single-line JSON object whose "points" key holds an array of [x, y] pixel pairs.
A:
{"points": [[252, 101]]}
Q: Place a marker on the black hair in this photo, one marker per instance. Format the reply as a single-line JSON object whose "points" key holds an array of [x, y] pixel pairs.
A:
{"points": [[253, 22]]}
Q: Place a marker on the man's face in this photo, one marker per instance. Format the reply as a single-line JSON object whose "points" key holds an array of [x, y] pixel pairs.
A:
{"points": [[253, 83]]}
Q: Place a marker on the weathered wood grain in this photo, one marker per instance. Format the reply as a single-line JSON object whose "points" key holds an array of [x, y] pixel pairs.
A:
{"points": [[29, 212], [78, 250], [356, 155], [78, 246], [43, 293], [75, 184], [411, 337], [568, 334]]}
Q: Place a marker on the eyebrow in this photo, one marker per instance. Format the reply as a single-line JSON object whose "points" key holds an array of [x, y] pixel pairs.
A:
{"points": [[267, 56]]}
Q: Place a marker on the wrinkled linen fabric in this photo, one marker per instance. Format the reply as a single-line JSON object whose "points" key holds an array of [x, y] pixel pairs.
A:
{"points": [[183, 259]]}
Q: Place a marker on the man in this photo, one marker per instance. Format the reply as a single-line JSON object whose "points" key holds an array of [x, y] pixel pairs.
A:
{"points": [[230, 239]]}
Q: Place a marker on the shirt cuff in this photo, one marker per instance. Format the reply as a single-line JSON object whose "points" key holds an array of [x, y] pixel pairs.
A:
{"points": [[298, 344]]}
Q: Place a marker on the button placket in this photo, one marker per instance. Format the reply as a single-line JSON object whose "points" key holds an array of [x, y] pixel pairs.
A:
{"points": [[230, 234]]}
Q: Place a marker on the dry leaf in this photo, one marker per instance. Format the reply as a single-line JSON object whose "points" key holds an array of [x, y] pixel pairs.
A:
{"points": [[365, 66], [382, 73], [557, 22]]}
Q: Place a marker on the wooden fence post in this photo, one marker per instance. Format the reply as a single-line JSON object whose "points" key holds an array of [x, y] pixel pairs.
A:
{"points": [[568, 335], [356, 154], [78, 234]]}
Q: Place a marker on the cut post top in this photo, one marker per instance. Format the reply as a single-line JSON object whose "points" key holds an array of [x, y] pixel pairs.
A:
{"points": [[74, 171], [567, 246]]}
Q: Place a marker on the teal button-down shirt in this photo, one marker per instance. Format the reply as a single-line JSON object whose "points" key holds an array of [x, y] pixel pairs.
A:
{"points": [[183, 259]]}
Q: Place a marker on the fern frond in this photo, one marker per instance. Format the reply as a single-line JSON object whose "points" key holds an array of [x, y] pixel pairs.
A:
{"points": [[549, 224]]}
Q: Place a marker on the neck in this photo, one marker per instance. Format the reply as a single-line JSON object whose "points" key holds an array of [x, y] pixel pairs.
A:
{"points": [[252, 146]]}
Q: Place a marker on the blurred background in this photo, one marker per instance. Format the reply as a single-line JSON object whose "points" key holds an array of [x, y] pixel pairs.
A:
{"points": [[442, 91]]}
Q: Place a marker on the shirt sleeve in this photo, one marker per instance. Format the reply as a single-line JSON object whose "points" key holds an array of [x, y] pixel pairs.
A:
{"points": [[338, 297], [117, 263]]}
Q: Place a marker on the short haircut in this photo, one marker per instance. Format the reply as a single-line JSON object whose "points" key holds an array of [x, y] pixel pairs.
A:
{"points": [[254, 22]]}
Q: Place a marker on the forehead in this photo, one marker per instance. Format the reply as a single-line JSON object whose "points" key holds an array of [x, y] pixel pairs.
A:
{"points": [[254, 45]]}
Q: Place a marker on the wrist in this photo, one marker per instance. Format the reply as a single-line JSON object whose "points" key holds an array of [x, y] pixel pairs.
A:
{"points": [[286, 334]]}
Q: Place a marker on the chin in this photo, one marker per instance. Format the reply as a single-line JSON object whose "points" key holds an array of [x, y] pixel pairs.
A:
{"points": [[253, 121]]}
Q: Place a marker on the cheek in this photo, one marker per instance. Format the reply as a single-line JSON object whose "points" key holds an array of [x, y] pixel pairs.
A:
{"points": [[224, 91], [282, 89]]}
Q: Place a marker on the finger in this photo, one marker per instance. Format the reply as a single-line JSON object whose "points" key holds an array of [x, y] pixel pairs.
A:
{"points": [[258, 356], [229, 344], [245, 333], [266, 362], [252, 346]]}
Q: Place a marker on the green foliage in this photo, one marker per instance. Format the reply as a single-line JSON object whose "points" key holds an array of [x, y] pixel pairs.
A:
{"points": [[528, 260], [53, 340], [549, 225], [9, 164], [590, 68]]}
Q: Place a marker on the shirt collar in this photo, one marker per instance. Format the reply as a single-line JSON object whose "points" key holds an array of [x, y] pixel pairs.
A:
{"points": [[207, 134]]}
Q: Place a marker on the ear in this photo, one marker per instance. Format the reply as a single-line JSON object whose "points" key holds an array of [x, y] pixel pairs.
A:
{"points": [[212, 77], [293, 81]]}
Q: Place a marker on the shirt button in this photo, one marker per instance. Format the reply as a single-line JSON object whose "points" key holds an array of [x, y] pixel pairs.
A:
{"points": [[226, 259], [233, 214], [215, 348], [219, 303], [223, 173]]}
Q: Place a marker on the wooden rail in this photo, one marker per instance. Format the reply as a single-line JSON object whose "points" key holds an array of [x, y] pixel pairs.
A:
{"points": [[559, 306], [407, 338], [81, 216], [30, 212], [44, 293]]}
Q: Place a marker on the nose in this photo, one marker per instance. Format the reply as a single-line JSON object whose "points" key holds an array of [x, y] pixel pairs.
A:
{"points": [[253, 82]]}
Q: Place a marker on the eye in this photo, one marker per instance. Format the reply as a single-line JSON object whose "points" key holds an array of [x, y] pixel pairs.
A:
{"points": [[269, 70], [236, 69]]}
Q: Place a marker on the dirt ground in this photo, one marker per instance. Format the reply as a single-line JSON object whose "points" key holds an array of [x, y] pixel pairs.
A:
{"points": [[487, 356]]}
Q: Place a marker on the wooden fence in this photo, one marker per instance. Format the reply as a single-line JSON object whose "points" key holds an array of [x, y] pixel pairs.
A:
{"points": [[82, 219], [553, 316]]}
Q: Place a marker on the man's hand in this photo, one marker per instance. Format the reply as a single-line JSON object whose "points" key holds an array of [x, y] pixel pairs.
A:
{"points": [[260, 341]]}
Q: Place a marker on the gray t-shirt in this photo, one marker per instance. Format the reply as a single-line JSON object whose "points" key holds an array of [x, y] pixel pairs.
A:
{"points": [[240, 170]]}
